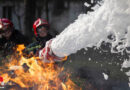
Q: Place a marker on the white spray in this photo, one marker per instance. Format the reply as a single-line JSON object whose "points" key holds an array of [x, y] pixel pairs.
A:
{"points": [[113, 17]]}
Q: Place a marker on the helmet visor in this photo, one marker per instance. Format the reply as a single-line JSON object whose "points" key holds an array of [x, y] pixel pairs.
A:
{"points": [[42, 29]]}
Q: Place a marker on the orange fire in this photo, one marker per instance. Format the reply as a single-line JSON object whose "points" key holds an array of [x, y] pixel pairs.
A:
{"points": [[32, 72]]}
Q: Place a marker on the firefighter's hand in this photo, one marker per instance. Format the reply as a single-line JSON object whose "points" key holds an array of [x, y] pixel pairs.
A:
{"points": [[47, 55]]}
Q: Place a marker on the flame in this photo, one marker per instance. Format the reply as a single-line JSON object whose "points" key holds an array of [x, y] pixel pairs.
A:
{"points": [[32, 72]]}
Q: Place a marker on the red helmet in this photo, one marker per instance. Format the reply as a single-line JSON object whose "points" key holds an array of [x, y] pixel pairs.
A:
{"points": [[5, 23], [38, 23]]}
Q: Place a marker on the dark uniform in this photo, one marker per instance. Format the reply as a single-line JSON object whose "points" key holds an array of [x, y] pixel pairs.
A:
{"points": [[36, 46], [8, 46]]}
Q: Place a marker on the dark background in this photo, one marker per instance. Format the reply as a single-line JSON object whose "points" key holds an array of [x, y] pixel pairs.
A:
{"points": [[59, 13]]}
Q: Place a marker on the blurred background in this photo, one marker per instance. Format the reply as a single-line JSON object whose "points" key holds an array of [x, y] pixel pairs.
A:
{"points": [[59, 13]]}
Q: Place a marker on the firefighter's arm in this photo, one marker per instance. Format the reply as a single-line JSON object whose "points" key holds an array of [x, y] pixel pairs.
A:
{"points": [[47, 55]]}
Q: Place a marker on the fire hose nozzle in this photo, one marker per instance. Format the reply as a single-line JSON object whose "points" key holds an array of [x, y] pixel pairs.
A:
{"points": [[47, 55]]}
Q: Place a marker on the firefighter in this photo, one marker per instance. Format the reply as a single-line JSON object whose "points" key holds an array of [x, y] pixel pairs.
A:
{"points": [[42, 35], [42, 47], [10, 37]]}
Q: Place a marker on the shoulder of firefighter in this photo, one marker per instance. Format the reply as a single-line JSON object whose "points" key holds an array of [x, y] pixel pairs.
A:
{"points": [[33, 48]]}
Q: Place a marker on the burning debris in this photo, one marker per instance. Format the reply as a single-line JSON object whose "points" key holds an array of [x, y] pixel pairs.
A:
{"points": [[34, 73]]}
